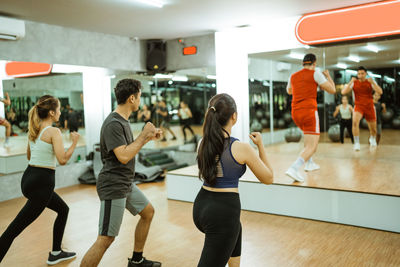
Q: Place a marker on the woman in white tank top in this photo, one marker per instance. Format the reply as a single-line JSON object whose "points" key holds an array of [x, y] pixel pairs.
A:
{"points": [[345, 110], [44, 148]]}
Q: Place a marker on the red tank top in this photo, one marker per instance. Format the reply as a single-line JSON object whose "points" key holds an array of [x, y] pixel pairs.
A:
{"points": [[363, 93], [304, 90]]}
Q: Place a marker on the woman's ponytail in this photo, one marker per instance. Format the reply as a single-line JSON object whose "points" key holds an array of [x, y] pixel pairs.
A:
{"points": [[34, 123]]}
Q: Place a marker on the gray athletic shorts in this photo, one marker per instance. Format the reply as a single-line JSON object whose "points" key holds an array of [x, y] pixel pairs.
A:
{"points": [[379, 128], [112, 211]]}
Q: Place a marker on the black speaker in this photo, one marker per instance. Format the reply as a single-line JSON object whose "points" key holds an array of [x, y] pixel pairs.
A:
{"points": [[156, 58]]}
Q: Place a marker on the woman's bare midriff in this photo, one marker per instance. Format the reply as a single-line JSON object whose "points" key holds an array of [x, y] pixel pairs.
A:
{"points": [[233, 190]]}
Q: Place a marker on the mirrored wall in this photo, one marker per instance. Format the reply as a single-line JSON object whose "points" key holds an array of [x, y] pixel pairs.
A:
{"points": [[270, 104]]}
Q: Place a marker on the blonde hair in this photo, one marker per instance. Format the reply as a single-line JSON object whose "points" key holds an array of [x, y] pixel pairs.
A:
{"points": [[39, 112]]}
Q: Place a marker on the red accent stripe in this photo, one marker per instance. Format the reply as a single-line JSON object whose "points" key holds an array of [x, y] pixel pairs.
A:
{"points": [[27, 69], [352, 23]]}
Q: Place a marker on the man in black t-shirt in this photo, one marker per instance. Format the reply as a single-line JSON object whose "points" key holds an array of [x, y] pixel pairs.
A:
{"points": [[72, 120], [115, 182]]}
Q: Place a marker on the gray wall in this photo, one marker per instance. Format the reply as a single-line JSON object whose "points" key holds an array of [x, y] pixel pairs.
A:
{"points": [[61, 45], [205, 56]]}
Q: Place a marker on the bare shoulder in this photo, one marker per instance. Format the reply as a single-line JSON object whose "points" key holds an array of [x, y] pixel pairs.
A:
{"points": [[241, 151]]}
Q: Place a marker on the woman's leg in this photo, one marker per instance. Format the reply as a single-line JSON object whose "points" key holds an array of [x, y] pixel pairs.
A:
{"points": [[349, 130], [342, 125], [62, 209]]}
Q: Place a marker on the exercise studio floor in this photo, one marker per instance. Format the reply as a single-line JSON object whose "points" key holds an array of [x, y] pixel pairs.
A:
{"points": [[268, 240]]}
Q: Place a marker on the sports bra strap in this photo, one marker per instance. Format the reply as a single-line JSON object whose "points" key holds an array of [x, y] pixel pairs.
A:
{"points": [[44, 129]]}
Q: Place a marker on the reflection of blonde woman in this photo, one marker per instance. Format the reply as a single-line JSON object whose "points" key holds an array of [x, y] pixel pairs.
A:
{"points": [[3, 121], [45, 147], [185, 114]]}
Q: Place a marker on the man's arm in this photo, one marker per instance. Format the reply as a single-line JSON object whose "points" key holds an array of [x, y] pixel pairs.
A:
{"points": [[289, 87], [325, 81], [375, 86], [348, 87]]}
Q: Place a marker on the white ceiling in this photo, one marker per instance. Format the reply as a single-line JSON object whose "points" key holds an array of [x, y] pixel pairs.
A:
{"points": [[387, 56], [178, 18]]}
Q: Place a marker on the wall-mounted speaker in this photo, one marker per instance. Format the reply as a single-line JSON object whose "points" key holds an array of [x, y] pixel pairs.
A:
{"points": [[156, 57]]}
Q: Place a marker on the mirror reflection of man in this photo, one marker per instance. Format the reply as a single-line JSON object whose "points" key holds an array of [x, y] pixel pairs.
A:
{"points": [[303, 86], [162, 110], [363, 89], [5, 123]]}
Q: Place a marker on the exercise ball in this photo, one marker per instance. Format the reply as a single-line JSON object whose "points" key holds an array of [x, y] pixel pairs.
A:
{"points": [[281, 123], [265, 123], [287, 117], [396, 123], [388, 115], [334, 133], [364, 124], [256, 126], [259, 114], [267, 114], [293, 135]]}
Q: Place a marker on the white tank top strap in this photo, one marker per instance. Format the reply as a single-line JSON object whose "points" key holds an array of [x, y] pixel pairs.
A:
{"points": [[44, 129]]}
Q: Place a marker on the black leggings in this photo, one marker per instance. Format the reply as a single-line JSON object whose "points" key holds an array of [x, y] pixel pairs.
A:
{"points": [[186, 125], [348, 124], [38, 187], [217, 214]]}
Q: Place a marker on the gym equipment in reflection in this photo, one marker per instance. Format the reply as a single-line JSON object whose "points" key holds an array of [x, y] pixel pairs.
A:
{"points": [[334, 133], [293, 134]]}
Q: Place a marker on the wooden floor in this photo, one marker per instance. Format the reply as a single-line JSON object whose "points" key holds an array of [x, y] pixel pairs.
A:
{"points": [[268, 240]]}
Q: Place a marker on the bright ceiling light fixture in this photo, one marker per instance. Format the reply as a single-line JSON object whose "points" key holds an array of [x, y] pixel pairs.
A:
{"points": [[373, 48], [341, 65], [162, 76], [154, 3], [180, 78], [374, 75], [211, 77], [296, 55], [354, 58]]}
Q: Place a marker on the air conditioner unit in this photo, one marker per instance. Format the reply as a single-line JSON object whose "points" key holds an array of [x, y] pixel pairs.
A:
{"points": [[11, 29]]}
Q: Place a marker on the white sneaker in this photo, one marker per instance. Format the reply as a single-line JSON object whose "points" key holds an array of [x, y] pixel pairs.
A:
{"points": [[372, 141], [311, 167], [295, 175], [357, 146]]}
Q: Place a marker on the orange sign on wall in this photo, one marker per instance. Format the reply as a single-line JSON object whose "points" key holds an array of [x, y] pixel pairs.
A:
{"points": [[27, 69], [352, 23]]}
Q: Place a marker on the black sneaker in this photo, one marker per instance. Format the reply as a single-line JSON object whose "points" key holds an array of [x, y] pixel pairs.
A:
{"points": [[63, 256], [144, 263]]}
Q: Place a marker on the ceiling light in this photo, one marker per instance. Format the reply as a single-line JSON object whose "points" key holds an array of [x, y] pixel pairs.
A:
{"points": [[373, 48], [170, 82], [374, 75], [354, 58], [307, 47], [296, 55], [388, 79], [213, 85], [352, 71], [180, 78], [162, 76], [341, 65], [212, 77], [151, 82], [155, 3]]}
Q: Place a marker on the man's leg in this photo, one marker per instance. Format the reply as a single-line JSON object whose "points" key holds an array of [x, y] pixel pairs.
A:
{"points": [[94, 255], [137, 203], [310, 146], [372, 132], [357, 116], [110, 220]]}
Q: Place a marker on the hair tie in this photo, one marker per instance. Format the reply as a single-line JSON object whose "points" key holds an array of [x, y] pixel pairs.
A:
{"points": [[213, 108]]}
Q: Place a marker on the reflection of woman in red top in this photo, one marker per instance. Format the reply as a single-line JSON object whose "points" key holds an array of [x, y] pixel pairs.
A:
{"points": [[303, 86], [363, 89]]}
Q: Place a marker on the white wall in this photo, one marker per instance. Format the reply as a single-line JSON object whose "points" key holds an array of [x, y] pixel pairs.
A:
{"points": [[97, 102], [259, 69], [232, 48]]}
